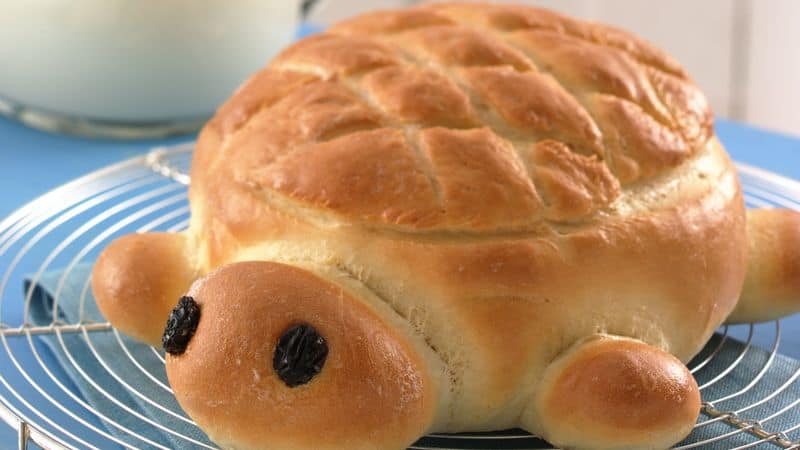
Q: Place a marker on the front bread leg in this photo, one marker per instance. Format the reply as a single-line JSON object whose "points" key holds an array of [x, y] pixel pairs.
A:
{"points": [[139, 278], [269, 356], [608, 392], [772, 286]]}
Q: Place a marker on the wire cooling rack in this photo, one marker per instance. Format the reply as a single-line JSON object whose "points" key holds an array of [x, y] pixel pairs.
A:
{"points": [[69, 225]]}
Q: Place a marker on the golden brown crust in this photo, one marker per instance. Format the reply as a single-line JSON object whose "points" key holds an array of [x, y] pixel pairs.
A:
{"points": [[636, 139], [585, 68], [456, 46], [537, 106], [261, 91], [687, 105], [509, 17], [572, 185], [138, 279], [480, 178], [613, 393], [374, 390], [525, 74], [329, 55], [359, 174], [426, 97], [772, 286]]}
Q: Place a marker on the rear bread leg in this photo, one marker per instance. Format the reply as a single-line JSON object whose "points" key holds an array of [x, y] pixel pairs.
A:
{"points": [[608, 392], [772, 286], [138, 279]]}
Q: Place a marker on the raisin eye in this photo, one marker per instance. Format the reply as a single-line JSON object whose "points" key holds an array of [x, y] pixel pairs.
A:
{"points": [[181, 325], [299, 355]]}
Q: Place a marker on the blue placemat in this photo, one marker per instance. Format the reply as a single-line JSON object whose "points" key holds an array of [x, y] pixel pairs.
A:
{"points": [[96, 366], [782, 376]]}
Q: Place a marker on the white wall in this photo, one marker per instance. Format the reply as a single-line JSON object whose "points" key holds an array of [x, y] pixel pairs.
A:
{"points": [[773, 70]]}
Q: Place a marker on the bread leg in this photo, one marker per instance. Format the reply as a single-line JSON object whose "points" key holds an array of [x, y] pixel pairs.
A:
{"points": [[608, 392], [138, 279], [288, 358], [772, 286]]}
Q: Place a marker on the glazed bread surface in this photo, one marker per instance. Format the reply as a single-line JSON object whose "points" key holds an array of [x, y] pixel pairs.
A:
{"points": [[507, 179], [490, 192]]}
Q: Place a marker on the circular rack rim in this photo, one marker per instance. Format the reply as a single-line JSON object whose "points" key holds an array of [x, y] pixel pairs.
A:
{"points": [[36, 219]]}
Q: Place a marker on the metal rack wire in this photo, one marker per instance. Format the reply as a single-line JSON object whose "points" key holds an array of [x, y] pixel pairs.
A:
{"points": [[68, 226]]}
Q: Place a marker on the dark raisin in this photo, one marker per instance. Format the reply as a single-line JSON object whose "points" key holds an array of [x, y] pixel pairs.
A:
{"points": [[299, 355], [181, 325]]}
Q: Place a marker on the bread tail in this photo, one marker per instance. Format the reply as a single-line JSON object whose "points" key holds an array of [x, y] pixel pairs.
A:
{"points": [[772, 286]]}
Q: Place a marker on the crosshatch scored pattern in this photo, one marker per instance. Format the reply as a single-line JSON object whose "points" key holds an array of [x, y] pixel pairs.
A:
{"points": [[525, 96], [149, 193]]}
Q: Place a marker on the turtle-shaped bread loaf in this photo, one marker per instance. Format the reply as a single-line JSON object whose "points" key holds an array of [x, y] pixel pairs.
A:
{"points": [[453, 217]]}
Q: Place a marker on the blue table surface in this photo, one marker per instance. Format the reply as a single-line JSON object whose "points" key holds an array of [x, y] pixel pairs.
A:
{"points": [[33, 162]]}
